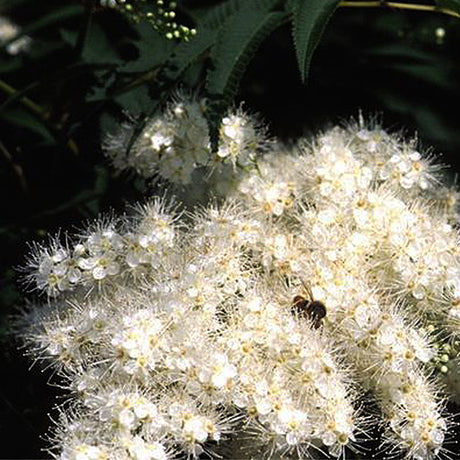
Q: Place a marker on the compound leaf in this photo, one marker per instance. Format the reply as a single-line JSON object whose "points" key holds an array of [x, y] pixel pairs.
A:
{"points": [[236, 44], [309, 20]]}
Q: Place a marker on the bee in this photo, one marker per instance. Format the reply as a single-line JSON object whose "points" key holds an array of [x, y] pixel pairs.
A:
{"points": [[311, 309]]}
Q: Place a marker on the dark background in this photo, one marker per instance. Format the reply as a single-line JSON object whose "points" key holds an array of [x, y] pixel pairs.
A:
{"points": [[52, 172]]}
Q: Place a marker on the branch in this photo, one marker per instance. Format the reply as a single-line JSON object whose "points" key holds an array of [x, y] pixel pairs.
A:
{"points": [[38, 111], [401, 6], [25, 101]]}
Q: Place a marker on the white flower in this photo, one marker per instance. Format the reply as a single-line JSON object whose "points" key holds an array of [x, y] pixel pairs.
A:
{"points": [[8, 31], [139, 449], [206, 324], [222, 371], [85, 452]]}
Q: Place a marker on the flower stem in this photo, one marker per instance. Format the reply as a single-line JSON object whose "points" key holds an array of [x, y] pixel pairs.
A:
{"points": [[396, 5], [25, 101]]}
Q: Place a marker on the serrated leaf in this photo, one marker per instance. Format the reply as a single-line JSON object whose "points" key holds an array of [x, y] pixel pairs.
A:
{"points": [[236, 44], [220, 13], [209, 30], [453, 5], [188, 52], [309, 20]]}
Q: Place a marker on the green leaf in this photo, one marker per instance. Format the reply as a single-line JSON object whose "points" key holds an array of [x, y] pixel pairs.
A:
{"points": [[153, 48], [220, 13], [453, 5], [136, 100], [25, 120], [208, 24], [187, 53], [398, 52], [309, 20], [99, 49], [425, 73], [236, 44]]}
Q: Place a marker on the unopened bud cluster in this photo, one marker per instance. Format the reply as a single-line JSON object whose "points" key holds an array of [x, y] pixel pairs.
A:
{"points": [[176, 332], [160, 14]]}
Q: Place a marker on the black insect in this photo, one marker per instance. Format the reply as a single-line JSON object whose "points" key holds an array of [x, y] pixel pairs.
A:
{"points": [[311, 309]]}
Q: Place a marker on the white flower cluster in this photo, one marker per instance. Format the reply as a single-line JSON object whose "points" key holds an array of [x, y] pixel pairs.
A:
{"points": [[8, 32], [209, 338], [116, 247], [175, 145]]}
